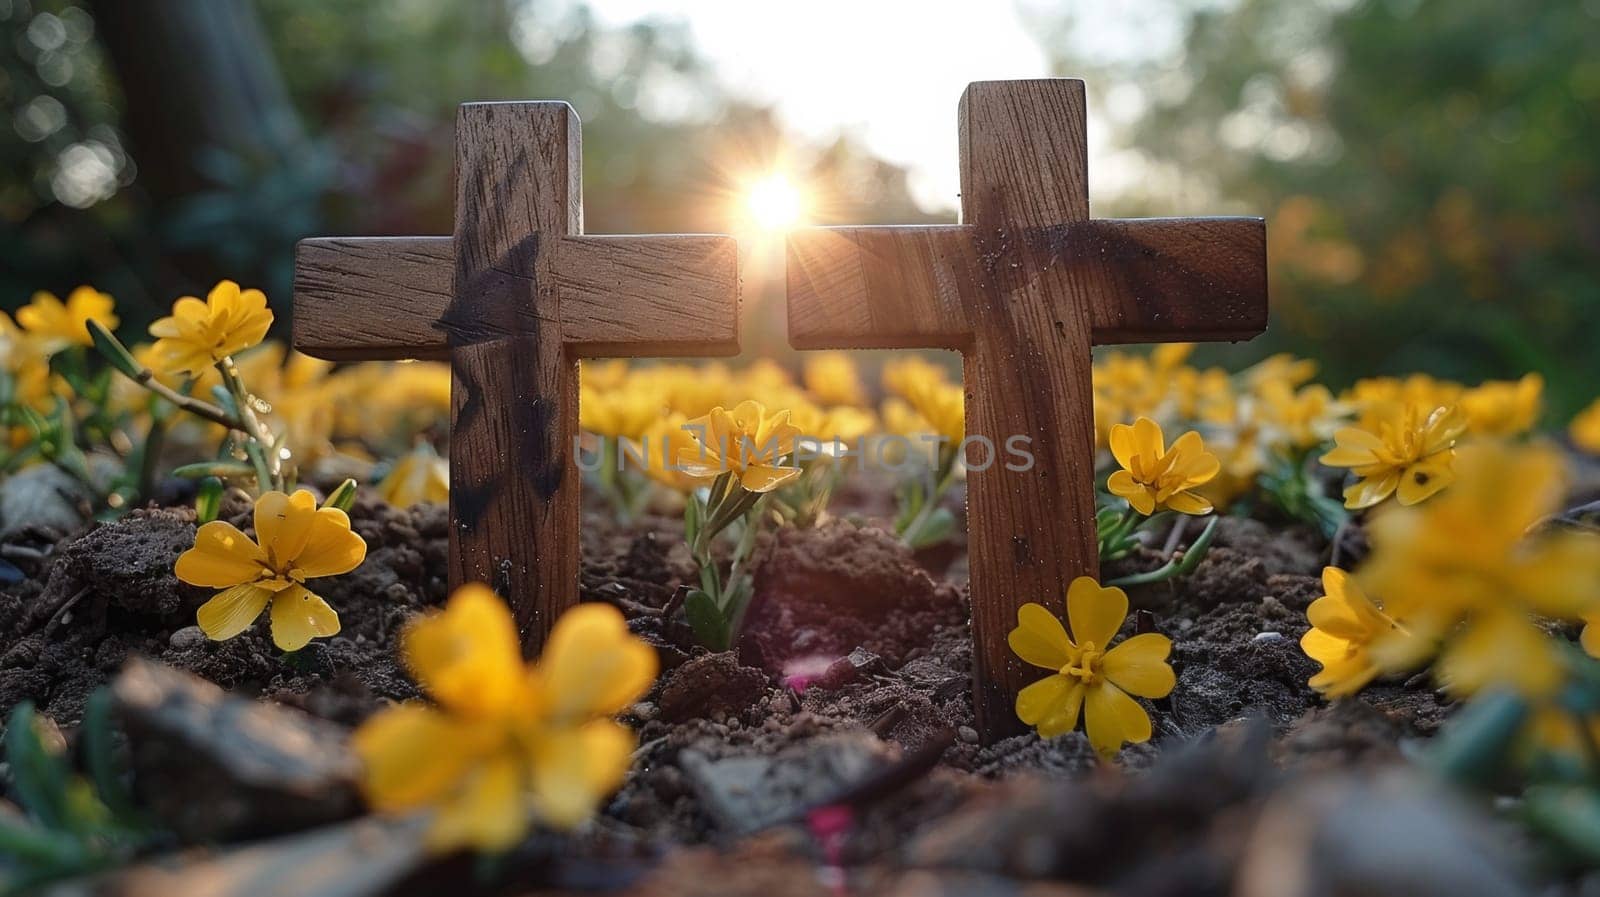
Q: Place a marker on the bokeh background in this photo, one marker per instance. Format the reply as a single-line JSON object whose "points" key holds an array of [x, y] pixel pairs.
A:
{"points": [[1428, 167]]}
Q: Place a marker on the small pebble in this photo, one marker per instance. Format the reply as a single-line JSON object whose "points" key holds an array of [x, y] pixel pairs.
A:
{"points": [[1268, 636], [187, 637], [968, 734]]}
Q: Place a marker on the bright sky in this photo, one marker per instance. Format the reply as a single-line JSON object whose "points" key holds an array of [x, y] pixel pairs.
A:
{"points": [[888, 71]]}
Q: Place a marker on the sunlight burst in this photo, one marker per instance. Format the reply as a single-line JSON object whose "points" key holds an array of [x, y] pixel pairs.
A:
{"points": [[774, 202]]}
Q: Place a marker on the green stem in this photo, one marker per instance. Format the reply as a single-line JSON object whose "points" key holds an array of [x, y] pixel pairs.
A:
{"points": [[255, 431], [913, 530]]}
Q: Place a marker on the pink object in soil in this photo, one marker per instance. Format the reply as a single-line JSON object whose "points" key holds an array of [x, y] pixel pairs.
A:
{"points": [[829, 825], [800, 672]]}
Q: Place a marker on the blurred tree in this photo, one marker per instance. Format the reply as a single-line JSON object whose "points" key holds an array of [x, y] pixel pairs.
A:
{"points": [[1428, 168]]}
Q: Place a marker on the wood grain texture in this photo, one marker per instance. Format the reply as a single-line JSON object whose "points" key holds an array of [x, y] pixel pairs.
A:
{"points": [[649, 295], [1024, 165], [513, 299], [513, 493], [360, 298], [1023, 288]]}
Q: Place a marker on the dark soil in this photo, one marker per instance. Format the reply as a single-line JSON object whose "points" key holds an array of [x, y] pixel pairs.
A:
{"points": [[851, 683]]}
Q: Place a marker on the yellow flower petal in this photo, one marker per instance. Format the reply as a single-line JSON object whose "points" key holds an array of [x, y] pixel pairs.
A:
{"points": [[766, 479], [1040, 639], [1368, 491], [231, 612], [1046, 698], [1111, 718], [331, 547], [1189, 503], [1123, 446], [575, 769], [1063, 718], [1139, 666], [1500, 649], [468, 656], [1122, 484], [412, 755], [222, 556], [593, 666], [1095, 613], [1147, 439], [490, 812], [298, 616], [283, 523], [1422, 480]]}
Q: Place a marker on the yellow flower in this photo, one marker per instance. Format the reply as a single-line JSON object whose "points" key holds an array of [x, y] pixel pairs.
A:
{"points": [[1170, 356], [1153, 478], [199, 334], [508, 740], [1089, 674], [24, 361], [1503, 407], [1379, 398], [1344, 622], [1298, 420], [603, 375], [907, 373], [1281, 368], [747, 441], [832, 379], [297, 541], [416, 477], [1585, 429], [58, 325], [1465, 572], [944, 407], [844, 423], [665, 443], [1408, 453], [619, 413], [1127, 386]]}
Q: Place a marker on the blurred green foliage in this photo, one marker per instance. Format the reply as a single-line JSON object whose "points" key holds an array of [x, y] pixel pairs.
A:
{"points": [[1428, 169]]}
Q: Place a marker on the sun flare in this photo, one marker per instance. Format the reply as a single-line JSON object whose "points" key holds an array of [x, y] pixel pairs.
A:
{"points": [[774, 202]]}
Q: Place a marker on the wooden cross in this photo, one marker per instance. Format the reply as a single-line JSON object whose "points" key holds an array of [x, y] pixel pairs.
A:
{"points": [[1023, 288], [514, 299]]}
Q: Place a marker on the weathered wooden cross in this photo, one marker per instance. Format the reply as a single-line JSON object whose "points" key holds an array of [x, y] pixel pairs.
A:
{"points": [[514, 299], [1023, 288]]}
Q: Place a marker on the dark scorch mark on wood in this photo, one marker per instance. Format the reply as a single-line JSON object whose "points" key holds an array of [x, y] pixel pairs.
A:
{"points": [[497, 302]]}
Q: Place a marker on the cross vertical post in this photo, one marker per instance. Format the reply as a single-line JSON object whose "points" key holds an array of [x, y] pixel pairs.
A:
{"points": [[514, 299], [514, 388], [1023, 288]]}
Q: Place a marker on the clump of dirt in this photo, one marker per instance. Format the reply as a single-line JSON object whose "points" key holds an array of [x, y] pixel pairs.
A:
{"points": [[821, 593]]}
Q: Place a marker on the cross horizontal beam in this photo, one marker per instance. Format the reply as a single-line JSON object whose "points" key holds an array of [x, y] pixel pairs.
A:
{"points": [[360, 298], [1151, 279]]}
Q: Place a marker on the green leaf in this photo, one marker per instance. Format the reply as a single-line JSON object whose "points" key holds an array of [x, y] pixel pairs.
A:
{"points": [[1472, 749], [343, 497], [100, 752], [936, 527], [38, 777], [208, 501], [222, 469], [691, 519], [706, 619], [1567, 814], [114, 351]]}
